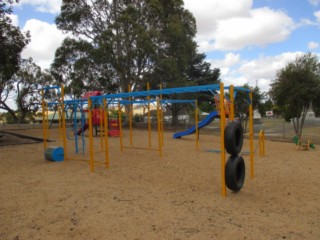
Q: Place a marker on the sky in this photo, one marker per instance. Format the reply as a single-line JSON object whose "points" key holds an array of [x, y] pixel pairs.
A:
{"points": [[249, 40]]}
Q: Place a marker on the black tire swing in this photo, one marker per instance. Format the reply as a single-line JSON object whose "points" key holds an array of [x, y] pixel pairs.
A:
{"points": [[235, 166], [233, 137]]}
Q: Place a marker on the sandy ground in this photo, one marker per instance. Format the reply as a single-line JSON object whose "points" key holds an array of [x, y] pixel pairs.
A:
{"points": [[143, 196]]}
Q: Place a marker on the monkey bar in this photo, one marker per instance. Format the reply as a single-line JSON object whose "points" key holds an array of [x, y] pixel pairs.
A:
{"points": [[131, 97]]}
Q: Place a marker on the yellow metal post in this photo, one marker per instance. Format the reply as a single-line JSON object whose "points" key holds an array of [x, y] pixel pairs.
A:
{"points": [[130, 116], [44, 127], [251, 137], [261, 144], [149, 123], [90, 136], [159, 127], [231, 116], [60, 123], [101, 118], [161, 116], [106, 143], [223, 153], [64, 130], [120, 126], [197, 127]]}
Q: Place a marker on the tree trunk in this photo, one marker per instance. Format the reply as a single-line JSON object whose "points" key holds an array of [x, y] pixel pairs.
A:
{"points": [[175, 112], [11, 112], [299, 122]]}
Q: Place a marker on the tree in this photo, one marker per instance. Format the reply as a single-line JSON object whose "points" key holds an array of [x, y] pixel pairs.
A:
{"points": [[140, 41], [200, 73], [12, 42], [28, 80], [77, 66], [24, 86], [296, 86]]}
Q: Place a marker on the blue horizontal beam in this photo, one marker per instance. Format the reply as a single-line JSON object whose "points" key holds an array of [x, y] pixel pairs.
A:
{"points": [[125, 102], [51, 87], [165, 91]]}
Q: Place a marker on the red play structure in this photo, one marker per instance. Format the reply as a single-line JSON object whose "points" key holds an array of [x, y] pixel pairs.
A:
{"points": [[97, 119]]}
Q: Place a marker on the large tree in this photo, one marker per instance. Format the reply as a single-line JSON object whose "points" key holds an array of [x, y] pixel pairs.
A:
{"points": [[23, 87], [28, 80], [140, 41], [79, 67], [150, 40], [296, 86], [12, 42]]}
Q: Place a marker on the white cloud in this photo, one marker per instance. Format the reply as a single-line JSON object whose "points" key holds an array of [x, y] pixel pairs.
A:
{"points": [[14, 19], [45, 39], [314, 2], [209, 12], [261, 71], [49, 6], [313, 45], [229, 60], [234, 25], [317, 15]]}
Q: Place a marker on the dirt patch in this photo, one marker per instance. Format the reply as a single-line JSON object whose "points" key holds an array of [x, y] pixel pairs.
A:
{"points": [[143, 196]]}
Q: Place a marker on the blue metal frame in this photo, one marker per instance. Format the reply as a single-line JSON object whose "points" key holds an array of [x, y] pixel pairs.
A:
{"points": [[166, 91]]}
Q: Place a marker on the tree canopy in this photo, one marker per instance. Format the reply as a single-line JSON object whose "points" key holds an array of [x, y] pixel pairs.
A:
{"points": [[137, 41], [297, 86], [127, 42], [12, 42]]}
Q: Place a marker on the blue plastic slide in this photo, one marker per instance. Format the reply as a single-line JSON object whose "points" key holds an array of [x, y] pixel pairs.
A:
{"points": [[201, 124]]}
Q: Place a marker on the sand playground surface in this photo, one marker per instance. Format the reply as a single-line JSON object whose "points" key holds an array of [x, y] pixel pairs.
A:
{"points": [[143, 196]]}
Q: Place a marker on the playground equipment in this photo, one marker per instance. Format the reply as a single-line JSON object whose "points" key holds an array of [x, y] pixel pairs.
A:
{"points": [[54, 153], [303, 146], [231, 175], [51, 153], [200, 125], [98, 120]]}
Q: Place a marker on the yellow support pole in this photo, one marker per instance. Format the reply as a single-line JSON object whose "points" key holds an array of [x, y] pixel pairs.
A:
{"points": [[251, 137], [161, 116], [90, 136], [105, 120], [261, 144], [101, 127], [120, 126], [223, 153], [159, 127], [64, 130], [60, 123], [197, 127], [44, 127], [149, 122], [231, 116], [130, 116]]}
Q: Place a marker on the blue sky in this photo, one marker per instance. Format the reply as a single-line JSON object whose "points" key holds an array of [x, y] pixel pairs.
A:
{"points": [[249, 40]]}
